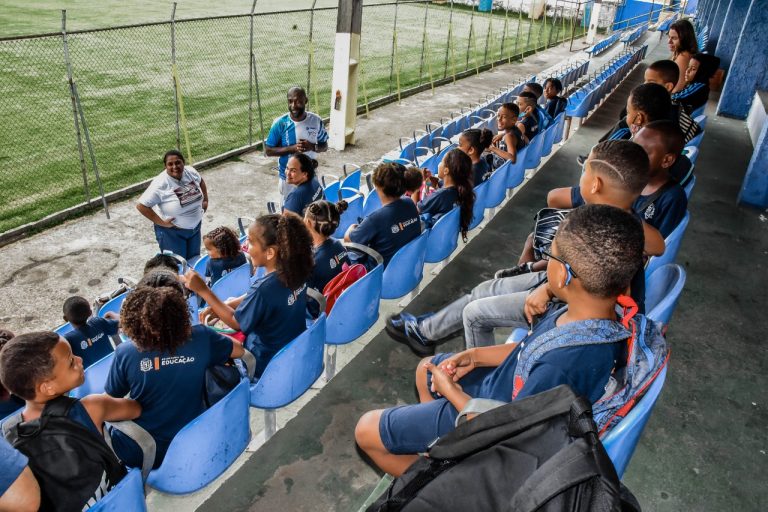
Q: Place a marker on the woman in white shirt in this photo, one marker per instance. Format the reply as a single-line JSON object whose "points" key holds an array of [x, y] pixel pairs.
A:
{"points": [[175, 202]]}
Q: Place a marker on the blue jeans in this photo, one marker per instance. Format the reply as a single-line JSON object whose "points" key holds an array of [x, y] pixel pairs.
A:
{"points": [[184, 242]]}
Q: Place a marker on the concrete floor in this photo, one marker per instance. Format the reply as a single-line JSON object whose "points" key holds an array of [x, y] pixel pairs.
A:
{"points": [[705, 446]]}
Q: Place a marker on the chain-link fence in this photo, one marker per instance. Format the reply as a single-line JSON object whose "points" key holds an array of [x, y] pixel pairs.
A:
{"points": [[210, 86]]}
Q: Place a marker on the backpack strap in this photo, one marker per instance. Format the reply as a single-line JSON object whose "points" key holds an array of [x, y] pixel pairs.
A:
{"points": [[653, 197], [10, 427], [142, 438], [477, 406]]}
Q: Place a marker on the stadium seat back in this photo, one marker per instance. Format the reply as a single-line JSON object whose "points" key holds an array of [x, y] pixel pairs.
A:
{"points": [[620, 442], [126, 496], [689, 187], [696, 141], [533, 155], [95, 378], [331, 192], [478, 210], [549, 139], [405, 269], [351, 182], [559, 127], [497, 186], [200, 264], [673, 242], [206, 446], [113, 305], [371, 203], [662, 291], [356, 309], [63, 329], [443, 237], [234, 284], [701, 120], [351, 215], [292, 370]]}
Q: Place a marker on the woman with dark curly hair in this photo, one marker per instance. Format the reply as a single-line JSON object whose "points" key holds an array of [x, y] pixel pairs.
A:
{"points": [[164, 368], [393, 225], [300, 172], [273, 312], [456, 173], [224, 253], [682, 43]]}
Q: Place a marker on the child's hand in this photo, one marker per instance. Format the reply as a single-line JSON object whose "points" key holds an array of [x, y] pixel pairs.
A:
{"points": [[442, 382], [194, 282], [497, 138], [111, 315], [207, 316], [536, 302], [458, 365]]}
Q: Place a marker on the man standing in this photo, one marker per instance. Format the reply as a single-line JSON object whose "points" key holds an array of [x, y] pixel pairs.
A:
{"points": [[298, 131]]}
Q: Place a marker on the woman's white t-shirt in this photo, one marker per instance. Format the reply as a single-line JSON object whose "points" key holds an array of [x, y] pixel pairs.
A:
{"points": [[180, 199]]}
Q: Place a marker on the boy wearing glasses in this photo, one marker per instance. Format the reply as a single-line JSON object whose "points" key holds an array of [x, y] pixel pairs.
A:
{"points": [[615, 174], [591, 262]]}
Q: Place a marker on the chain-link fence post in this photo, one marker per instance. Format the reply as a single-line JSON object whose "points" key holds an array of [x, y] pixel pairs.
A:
{"points": [[519, 24], [488, 37], [423, 41], [91, 153], [254, 80], [311, 58], [471, 31], [448, 46], [173, 66], [504, 34], [71, 82], [250, 79], [394, 48]]}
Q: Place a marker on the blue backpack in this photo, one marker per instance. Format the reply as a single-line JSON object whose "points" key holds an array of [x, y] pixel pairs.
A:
{"points": [[647, 354]]}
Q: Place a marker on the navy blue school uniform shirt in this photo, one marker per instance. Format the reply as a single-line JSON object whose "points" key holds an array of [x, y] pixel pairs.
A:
{"points": [[389, 228], [481, 171], [330, 256], [169, 386], [302, 196], [531, 124], [271, 316], [217, 268], [556, 106], [666, 211], [544, 118], [439, 203], [91, 341]]}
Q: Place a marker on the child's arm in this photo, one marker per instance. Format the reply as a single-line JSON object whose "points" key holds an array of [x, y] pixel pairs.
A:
{"points": [[560, 198], [103, 408], [111, 315], [225, 311], [654, 242], [511, 142]]}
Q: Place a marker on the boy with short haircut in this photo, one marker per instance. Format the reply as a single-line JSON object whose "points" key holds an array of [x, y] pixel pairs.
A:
{"points": [[615, 174], [90, 334], [41, 368], [528, 121], [538, 91], [594, 255], [556, 104]]}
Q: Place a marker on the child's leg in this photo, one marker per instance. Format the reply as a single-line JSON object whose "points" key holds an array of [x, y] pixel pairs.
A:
{"points": [[527, 254], [369, 440]]}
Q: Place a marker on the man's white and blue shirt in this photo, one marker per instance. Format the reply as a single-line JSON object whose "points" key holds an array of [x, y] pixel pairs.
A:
{"points": [[287, 132]]}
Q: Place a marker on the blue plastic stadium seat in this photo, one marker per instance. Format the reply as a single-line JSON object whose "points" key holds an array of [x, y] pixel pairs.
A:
{"points": [[63, 329], [353, 212], [696, 141], [290, 373], [533, 155], [371, 203], [701, 120], [205, 447], [549, 139], [699, 111], [689, 187], [662, 291], [497, 185], [405, 269], [443, 237], [200, 264], [95, 377], [478, 211], [113, 305], [234, 284], [620, 442], [692, 152], [672, 242], [126, 496], [559, 128]]}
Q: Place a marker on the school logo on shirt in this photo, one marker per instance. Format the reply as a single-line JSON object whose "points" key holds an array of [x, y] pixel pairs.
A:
{"points": [[650, 211], [88, 342], [148, 364], [400, 226], [293, 297], [335, 260]]}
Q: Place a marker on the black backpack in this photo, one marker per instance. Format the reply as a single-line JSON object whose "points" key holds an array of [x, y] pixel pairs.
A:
{"points": [[73, 465], [539, 453]]}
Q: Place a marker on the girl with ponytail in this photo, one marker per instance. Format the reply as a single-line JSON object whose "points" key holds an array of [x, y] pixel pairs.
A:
{"points": [[273, 312], [456, 172], [473, 142], [322, 219]]}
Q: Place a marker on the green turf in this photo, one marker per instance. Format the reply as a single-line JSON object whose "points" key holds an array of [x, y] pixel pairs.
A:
{"points": [[125, 83]]}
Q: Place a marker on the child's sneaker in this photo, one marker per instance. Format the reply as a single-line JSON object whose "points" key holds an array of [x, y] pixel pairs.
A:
{"points": [[404, 328], [524, 268]]}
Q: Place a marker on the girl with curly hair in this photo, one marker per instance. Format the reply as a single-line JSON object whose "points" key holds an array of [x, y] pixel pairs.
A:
{"points": [[224, 253], [273, 312], [393, 225], [455, 171], [164, 368]]}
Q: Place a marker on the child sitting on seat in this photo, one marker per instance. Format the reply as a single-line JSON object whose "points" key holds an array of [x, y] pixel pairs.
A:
{"points": [[556, 104], [322, 220], [509, 139], [415, 187], [695, 94], [455, 171], [224, 253], [273, 311], [90, 335], [473, 142], [161, 260], [528, 122], [41, 368], [164, 367], [595, 253], [538, 91], [394, 224]]}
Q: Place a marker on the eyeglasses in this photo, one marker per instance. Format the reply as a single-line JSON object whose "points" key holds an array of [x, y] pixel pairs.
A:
{"points": [[546, 255]]}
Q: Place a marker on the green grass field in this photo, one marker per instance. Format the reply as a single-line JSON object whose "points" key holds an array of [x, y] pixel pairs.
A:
{"points": [[125, 82]]}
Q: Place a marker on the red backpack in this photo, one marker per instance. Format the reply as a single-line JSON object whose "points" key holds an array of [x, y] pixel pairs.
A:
{"points": [[341, 282]]}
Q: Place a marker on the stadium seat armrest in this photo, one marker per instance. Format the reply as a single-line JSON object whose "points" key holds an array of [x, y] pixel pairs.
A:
{"points": [[317, 297], [142, 438], [242, 226], [365, 250]]}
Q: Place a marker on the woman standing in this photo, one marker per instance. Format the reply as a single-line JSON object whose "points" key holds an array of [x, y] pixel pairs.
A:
{"points": [[682, 43], [175, 202]]}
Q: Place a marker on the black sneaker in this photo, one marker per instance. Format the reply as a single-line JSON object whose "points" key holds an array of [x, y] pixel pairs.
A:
{"points": [[581, 159], [525, 268], [404, 328]]}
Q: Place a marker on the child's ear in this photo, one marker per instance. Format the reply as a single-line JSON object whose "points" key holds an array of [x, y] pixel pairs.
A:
{"points": [[46, 388], [597, 185], [668, 160], [271, 253]]}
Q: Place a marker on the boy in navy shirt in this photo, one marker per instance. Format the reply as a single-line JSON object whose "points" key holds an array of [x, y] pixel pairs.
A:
{"points": [[543, 115], [90, 335], [394, 224], [555, 104], [595, 253], [528, 122]]}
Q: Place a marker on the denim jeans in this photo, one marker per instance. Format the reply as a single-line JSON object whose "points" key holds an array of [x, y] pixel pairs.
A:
{"points": [[491, 304]]}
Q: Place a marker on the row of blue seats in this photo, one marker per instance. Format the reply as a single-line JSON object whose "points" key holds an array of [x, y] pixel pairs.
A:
{"points": [[583, 101], [664, 25], [603, 45], [634, 34]]}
